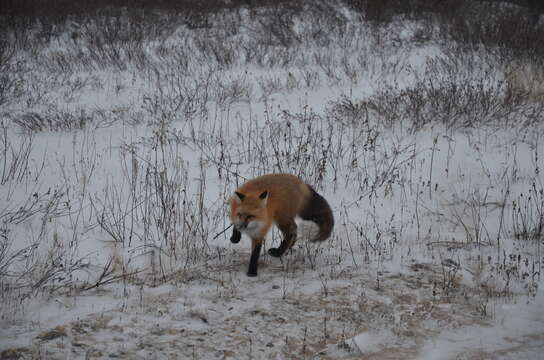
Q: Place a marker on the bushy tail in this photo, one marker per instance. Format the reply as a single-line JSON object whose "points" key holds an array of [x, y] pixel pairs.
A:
{"points": [[318, 210]]}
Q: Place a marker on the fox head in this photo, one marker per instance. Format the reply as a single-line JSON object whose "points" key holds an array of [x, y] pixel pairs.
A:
{"points": [[248, 212]]}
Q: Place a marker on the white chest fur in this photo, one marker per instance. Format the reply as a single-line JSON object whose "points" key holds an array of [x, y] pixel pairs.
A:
{"points": [[253, 229]]}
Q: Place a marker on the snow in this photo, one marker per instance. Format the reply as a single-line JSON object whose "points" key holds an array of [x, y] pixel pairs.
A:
{"points": [[516, 327]]}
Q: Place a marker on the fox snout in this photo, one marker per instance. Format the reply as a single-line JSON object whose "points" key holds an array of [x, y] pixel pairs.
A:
{"points": [[241, 226]]}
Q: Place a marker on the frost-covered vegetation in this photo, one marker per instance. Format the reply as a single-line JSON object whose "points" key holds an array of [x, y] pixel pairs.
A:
{"points": [[125, 127]]}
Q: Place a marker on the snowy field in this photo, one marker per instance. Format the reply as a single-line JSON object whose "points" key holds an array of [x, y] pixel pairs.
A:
{"points": [[123, 136]]}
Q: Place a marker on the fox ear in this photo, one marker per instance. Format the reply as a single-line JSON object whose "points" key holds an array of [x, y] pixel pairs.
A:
{"points": [[264, 197], [239, 196]]}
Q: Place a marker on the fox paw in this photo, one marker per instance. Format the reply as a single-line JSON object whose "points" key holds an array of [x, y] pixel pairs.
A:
{"points": [[251, 274], [235, 238], [275, 252]]}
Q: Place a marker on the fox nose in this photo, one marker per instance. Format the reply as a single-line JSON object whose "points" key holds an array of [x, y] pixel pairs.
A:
{"points": [[241, 226]]}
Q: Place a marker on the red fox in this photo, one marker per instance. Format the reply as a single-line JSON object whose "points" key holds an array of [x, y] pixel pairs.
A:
{"points": [[276, 198]]}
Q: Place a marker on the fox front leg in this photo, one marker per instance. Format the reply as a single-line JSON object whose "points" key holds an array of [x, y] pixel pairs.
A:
{"points": [[236, 236], [256, 245]]}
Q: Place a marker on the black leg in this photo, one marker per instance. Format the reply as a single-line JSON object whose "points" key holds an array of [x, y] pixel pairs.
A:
{"points": [[236, 236], [289, 238], [253, 261]]}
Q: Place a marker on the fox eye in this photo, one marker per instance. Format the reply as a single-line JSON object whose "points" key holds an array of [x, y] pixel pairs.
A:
{"points": [[249, 217]]}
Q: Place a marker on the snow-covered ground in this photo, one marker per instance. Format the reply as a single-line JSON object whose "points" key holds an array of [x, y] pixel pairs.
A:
{"points": [[118, 160]]}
